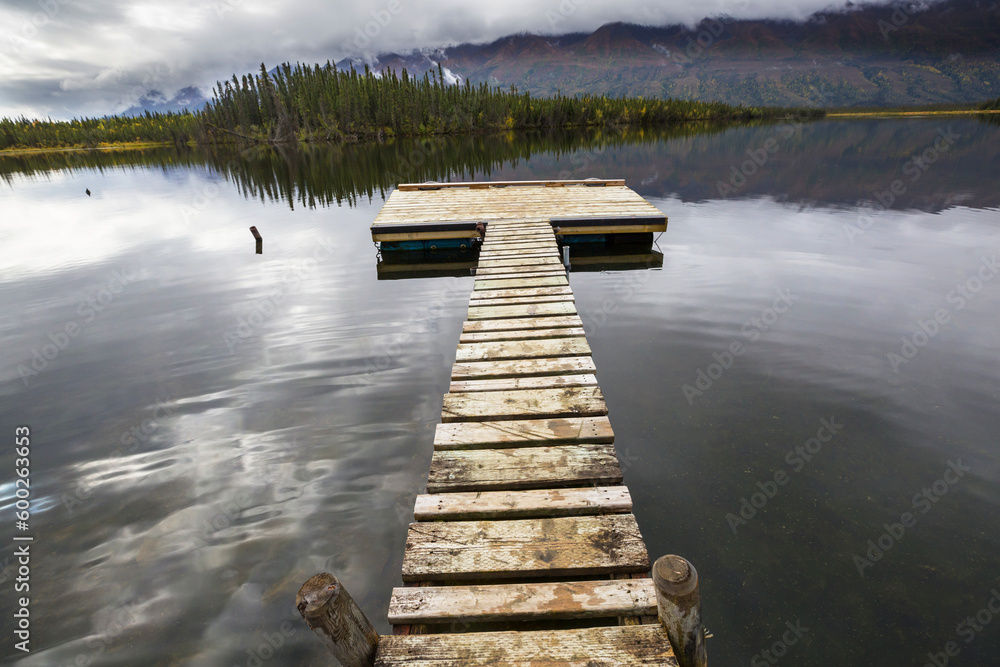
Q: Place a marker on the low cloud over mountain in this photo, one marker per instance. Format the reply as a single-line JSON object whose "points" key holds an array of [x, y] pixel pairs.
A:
{"points": [[872, 55]]}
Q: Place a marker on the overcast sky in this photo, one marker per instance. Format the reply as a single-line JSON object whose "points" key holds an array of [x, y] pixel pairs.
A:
{"points": [[65, 58]]}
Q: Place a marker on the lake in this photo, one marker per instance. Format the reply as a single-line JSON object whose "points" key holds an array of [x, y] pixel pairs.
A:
{"points": [[804, 394]]}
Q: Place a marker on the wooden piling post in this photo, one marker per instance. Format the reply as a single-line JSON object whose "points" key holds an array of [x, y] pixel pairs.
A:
{"points": [[330, 611], [678, 603], [260, 241]]}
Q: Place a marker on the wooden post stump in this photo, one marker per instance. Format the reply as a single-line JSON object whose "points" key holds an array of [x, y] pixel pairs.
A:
{"points": [[678, 603], [332, 614], [260, 241]]}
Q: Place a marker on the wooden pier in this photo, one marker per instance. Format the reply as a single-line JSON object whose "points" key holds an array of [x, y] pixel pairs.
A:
{"points": [[524, 550], [440, 215]]}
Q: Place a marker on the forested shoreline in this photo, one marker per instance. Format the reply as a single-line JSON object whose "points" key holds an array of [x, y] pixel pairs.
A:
{"points": [[302, 103]]}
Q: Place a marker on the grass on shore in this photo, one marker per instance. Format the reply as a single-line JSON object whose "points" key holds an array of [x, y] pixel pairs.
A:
{"points": [[989, 106]]}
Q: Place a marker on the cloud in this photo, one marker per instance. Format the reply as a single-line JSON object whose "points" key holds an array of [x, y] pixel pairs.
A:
{"points": [[65, 58]]}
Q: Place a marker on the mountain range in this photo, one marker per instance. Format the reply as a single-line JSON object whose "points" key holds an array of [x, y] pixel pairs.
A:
{"points": [[862, 55], [189, 98]]}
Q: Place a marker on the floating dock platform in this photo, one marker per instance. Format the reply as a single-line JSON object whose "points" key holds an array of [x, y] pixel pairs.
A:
{"points": [[524, 549], [455, 215]]}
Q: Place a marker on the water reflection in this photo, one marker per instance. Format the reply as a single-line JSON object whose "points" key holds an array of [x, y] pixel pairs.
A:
{"points": [[402, 264], [840, 163], [620, 255], [226, 426], [326, 175], [594, 255]]}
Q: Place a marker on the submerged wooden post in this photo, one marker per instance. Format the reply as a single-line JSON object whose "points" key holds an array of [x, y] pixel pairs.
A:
{"points": [[260, 241], [678, 603], [330, 611]]}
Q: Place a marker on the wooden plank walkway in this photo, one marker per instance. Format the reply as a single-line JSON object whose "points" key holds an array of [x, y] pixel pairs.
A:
{"points": [[524, 550]]}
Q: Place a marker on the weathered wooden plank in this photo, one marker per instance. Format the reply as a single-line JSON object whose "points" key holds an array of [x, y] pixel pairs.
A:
{"points": [[522, 300], [561, 546], [508, 384], [527, 334], [509, 251], [500, 209], [504, 224], [521, 235], [515, 229], [522, 243], [483, 370], [523, 433], [640, 228], [505, 228], [521, 310], [522, 468], [547, 265], [522, 292], [522, 323], [495, 251], [538, 257], [517, 261], [504, 257], [508, 272], [536, 241], [524, 404], [548, 348], [522, 602], [528, 202], [496, 210], [605, 646], [419, 236], [503, 184], [518, 468], [495, 282], [540, 234], [506, 254], [519, 245], [522, 504], [486, 280]]}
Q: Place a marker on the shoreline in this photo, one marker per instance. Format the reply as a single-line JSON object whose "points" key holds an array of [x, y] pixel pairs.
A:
{"points": [[72, 149], [192, 144], [897, 113]]}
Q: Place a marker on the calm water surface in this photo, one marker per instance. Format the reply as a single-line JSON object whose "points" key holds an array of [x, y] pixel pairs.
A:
{"points": [[210, 427]]}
